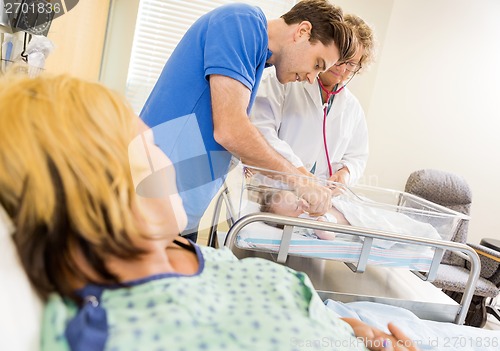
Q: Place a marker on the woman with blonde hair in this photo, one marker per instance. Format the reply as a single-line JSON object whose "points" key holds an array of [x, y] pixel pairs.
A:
{"points": [[108, 261]]}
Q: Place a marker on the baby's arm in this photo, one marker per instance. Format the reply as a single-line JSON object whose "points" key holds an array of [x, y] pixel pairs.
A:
{"points": [[323, 234], [333, 216], [339, 216]]}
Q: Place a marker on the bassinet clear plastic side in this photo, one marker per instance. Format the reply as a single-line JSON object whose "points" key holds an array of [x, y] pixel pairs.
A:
{"points": [[262, 191]]}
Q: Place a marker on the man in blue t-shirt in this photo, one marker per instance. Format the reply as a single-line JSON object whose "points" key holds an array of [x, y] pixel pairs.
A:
{"points": [[199, 107]]}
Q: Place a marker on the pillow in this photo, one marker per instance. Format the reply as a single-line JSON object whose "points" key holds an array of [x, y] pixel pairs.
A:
{"points": [[20, 307]]}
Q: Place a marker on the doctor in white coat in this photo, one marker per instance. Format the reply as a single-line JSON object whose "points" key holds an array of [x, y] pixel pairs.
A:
{"points": [[320, 127]]}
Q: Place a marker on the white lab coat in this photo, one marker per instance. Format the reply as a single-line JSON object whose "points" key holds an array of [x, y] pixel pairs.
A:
{"points": [[290, 117]]}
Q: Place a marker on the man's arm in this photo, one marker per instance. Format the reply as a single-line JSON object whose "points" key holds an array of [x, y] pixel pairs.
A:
{"points": [[234, 131], [267, 114]]}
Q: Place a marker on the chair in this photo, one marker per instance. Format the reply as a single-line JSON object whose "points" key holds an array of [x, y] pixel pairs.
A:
{"points": [[452, 191]]}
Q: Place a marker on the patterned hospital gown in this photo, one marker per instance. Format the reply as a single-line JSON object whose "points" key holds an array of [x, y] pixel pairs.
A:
{"points": [[229, 304]]}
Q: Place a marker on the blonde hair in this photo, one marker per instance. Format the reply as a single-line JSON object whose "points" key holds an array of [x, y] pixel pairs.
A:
{"points": [[64, 176], [364, 36]]}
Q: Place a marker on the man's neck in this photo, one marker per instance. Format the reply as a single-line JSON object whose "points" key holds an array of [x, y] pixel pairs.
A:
{"points": [[279, 34]]}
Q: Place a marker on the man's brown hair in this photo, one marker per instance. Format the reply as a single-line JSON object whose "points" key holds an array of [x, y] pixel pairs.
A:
{"points": [[327, 25]]}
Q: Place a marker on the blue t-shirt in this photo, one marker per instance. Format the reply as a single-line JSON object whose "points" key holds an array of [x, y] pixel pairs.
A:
{"points": [[231, 41]]}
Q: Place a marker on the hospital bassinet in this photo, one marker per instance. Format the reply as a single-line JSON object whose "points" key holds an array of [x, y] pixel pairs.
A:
{"points": [[246, 187], [356, 245]]}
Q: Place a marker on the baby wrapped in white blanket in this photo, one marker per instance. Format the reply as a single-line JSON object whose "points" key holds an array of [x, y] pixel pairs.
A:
{"points": [[373, 217], [355, 213]]}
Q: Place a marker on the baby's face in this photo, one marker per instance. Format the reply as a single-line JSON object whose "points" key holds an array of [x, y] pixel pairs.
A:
{"points": [[288, 204]]}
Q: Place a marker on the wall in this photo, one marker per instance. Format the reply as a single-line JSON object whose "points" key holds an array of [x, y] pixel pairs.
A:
{"points": [[119, 40], [79, 40], [378, 18], [434, 99]]}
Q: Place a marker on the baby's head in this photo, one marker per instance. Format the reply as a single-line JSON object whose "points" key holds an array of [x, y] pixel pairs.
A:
{"points": [[283, 202]]}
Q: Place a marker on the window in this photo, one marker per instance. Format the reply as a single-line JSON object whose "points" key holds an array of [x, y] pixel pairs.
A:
{"points": [[160, 26]]}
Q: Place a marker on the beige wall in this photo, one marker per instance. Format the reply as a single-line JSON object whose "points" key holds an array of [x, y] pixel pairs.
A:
{"points": [[78, 37], [119, 40], [432, 99]]}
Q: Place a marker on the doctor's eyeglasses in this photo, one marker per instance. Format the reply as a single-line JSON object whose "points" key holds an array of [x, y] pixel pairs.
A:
{"points": [[350, 66]]}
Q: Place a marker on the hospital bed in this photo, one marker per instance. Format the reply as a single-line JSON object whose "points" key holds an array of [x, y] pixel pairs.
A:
{"points": [[362, 248], [21, 309]]}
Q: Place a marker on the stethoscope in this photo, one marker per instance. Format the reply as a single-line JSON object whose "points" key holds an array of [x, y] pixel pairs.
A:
{"points": [[326, 105]]}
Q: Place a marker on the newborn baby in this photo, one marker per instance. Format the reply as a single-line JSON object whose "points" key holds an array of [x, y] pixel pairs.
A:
{"points": [[346, 211], [287, 203]]}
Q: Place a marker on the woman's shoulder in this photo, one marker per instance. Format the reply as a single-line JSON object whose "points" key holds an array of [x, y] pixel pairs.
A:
{"points": [[349, 98], [220, 254], [57, 313], [349, 103], [224, 254]]}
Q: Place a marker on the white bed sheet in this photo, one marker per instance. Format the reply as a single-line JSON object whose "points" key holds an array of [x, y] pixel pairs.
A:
{"points": [[427, 335], [263, 237], [20, 307]]}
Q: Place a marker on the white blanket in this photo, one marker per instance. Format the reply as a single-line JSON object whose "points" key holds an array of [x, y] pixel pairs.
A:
{"points": [[427, 335], [372, 217]]}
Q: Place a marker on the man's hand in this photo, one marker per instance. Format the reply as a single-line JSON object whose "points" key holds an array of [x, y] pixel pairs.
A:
{"points": [[319, 198]]}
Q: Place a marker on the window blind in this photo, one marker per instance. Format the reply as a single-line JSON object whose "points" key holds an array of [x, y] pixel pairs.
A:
{"points": [[160, 26]]}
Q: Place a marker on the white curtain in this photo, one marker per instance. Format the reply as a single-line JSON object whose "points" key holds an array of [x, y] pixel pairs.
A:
{"points": [[160, 26]]}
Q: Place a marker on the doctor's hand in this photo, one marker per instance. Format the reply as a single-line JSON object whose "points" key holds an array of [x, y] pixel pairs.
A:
{"points": [[377, 340], [318, 197], [341, 176]]}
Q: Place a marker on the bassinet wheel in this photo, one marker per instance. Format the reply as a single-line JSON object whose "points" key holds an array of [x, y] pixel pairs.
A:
{"points": [[457, 296], [477, 316]]}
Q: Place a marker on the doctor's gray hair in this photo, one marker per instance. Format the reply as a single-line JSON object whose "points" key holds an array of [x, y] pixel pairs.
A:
{"points": [[364, 37]]}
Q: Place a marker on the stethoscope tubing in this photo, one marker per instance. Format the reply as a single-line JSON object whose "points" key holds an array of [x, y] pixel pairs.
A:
{"points": [[329, 94]]}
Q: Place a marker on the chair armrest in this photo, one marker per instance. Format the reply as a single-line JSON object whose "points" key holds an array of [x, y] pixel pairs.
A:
{"points": [[486, 252], [490, 262]]}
